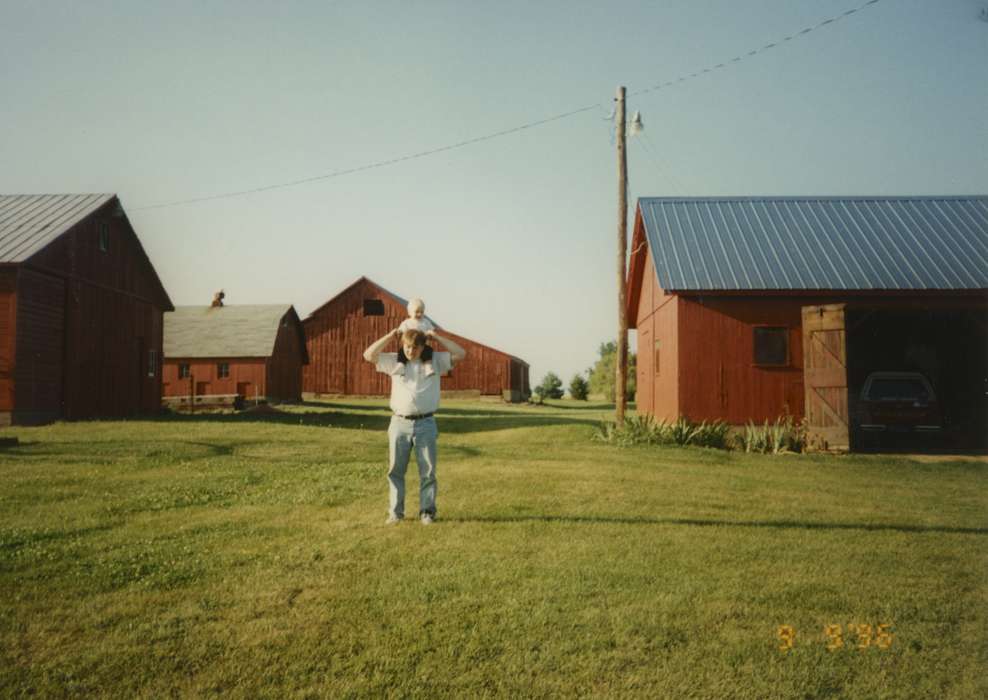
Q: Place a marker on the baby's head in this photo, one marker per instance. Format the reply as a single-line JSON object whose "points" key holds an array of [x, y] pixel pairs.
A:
{"points": [[416, 309]]}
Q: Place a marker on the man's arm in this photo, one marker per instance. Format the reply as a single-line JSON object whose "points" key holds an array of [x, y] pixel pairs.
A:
{"points": [[456, 353], [374, 351]]}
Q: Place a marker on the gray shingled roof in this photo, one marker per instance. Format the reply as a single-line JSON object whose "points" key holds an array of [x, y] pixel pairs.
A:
{"points": [[29, 222], [224, 331], [776, 243]]}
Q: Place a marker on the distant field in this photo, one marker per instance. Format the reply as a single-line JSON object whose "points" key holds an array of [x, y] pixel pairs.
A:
{"points": [[247, 556]]}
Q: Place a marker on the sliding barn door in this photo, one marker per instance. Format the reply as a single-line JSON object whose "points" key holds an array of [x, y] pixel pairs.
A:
{"points": [[825, 376]]}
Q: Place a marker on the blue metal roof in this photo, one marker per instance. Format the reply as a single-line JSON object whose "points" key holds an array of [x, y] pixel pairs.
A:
{"points": [[852, 243]]}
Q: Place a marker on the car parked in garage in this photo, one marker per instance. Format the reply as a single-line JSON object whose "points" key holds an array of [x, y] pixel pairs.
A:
{"points": [[897, 404]]}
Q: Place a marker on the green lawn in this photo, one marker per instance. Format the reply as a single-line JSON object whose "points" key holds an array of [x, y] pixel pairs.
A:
{"points": [[247, 556]]}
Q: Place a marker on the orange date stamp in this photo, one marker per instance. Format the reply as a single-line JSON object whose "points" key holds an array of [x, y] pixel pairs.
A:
{"points": [[851, 636]]}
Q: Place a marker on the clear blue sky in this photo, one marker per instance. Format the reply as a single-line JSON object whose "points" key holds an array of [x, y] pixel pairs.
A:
{"points": [[510, 241]]}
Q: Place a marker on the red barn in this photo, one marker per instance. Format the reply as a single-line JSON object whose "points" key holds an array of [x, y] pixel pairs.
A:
{"points": [[338, 332], [80, 311], [255, 351], [751, 308]]}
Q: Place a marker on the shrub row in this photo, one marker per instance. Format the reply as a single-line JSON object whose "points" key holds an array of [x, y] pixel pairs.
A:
{"points": [[784, 435]]}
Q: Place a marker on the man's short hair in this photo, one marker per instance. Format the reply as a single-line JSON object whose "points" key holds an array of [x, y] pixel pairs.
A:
{"points": [[413, 336]]}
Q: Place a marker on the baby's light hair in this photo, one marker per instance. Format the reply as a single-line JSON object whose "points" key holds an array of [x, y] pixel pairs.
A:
{"points": [[415, 304]]}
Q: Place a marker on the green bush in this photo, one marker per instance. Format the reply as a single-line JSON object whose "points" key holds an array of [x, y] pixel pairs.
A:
{"points": [[578, 388], [637, 430], [703, 434], [550, 388], [784, 435], [645, 430], [603, 373]]}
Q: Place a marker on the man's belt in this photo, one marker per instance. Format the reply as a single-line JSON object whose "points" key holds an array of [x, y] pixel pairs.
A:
{"points": [[417, 416]]}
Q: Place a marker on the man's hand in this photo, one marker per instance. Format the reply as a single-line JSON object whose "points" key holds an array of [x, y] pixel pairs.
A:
{"points": [[374, 351], [430, 334], [397, 333], [456, 353]]}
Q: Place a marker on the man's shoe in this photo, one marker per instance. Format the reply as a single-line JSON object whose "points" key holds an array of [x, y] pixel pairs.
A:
{"points": [[428, 518], [392, 519]]}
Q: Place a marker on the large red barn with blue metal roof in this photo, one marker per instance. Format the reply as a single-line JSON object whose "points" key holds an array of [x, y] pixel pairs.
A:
{"points": [[751, 308]]}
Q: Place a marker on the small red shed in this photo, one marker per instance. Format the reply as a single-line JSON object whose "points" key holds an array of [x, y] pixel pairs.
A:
{"points": [[338, 332], [80, 311], [752, 308], [254, 351]]}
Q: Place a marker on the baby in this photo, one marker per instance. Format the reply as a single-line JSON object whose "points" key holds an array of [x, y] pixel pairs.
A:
{"points": [[416, 321]]}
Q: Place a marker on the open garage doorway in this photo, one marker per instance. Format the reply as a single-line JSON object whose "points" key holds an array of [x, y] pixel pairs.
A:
{"points": [[917, 378], [897, 375]]}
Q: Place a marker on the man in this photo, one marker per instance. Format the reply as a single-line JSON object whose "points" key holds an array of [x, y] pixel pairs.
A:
{"points": [[414, 399]]}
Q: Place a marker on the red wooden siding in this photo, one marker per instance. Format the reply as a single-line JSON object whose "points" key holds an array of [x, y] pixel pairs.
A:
{"points": [[277, 377], [85, 321], [710, 351], [123, 267], [284, 375], [657, 322], [336, 337], [248, 373], [8, 326], [40, 343], [108, 338], [718, 375], [338, 333]]}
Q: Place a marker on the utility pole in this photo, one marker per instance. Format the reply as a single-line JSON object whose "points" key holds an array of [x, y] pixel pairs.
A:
{"points": [[621, 359]]}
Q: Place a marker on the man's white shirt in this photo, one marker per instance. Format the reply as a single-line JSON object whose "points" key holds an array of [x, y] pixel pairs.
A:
{"points": [[414, 393]]}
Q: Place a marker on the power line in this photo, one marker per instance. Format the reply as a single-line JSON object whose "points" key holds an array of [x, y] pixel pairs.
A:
{"points": [[755, 52], [505, 132], [377, 164], [649, 149]]}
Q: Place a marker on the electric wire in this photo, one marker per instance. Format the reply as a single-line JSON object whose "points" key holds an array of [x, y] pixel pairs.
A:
{"points": [[754, 52], [649, 148], [371, 166], [504, 132]]}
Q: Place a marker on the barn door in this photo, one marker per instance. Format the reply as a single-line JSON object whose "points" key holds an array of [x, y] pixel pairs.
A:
{"points": [[825, 376], [8, 314], [142, 372]]}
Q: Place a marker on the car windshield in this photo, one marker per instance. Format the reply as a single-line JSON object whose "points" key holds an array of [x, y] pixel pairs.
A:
{"points": [[897, 390]]}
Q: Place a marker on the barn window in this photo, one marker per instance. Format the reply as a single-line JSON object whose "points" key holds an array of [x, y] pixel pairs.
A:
{"points": [[152, 363], [771, 346], [373, 307], [103, 236], [183, 370], [222, 370], [657, 346]]}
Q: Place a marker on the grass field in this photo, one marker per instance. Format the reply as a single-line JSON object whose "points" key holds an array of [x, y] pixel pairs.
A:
{"points": [[247, 556]]}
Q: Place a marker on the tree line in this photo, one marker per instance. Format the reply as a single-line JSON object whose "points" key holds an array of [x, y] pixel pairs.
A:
{"points": [[597, 380]]}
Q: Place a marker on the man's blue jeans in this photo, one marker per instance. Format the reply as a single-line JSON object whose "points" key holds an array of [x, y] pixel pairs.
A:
{"points": [[404, 435]]}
